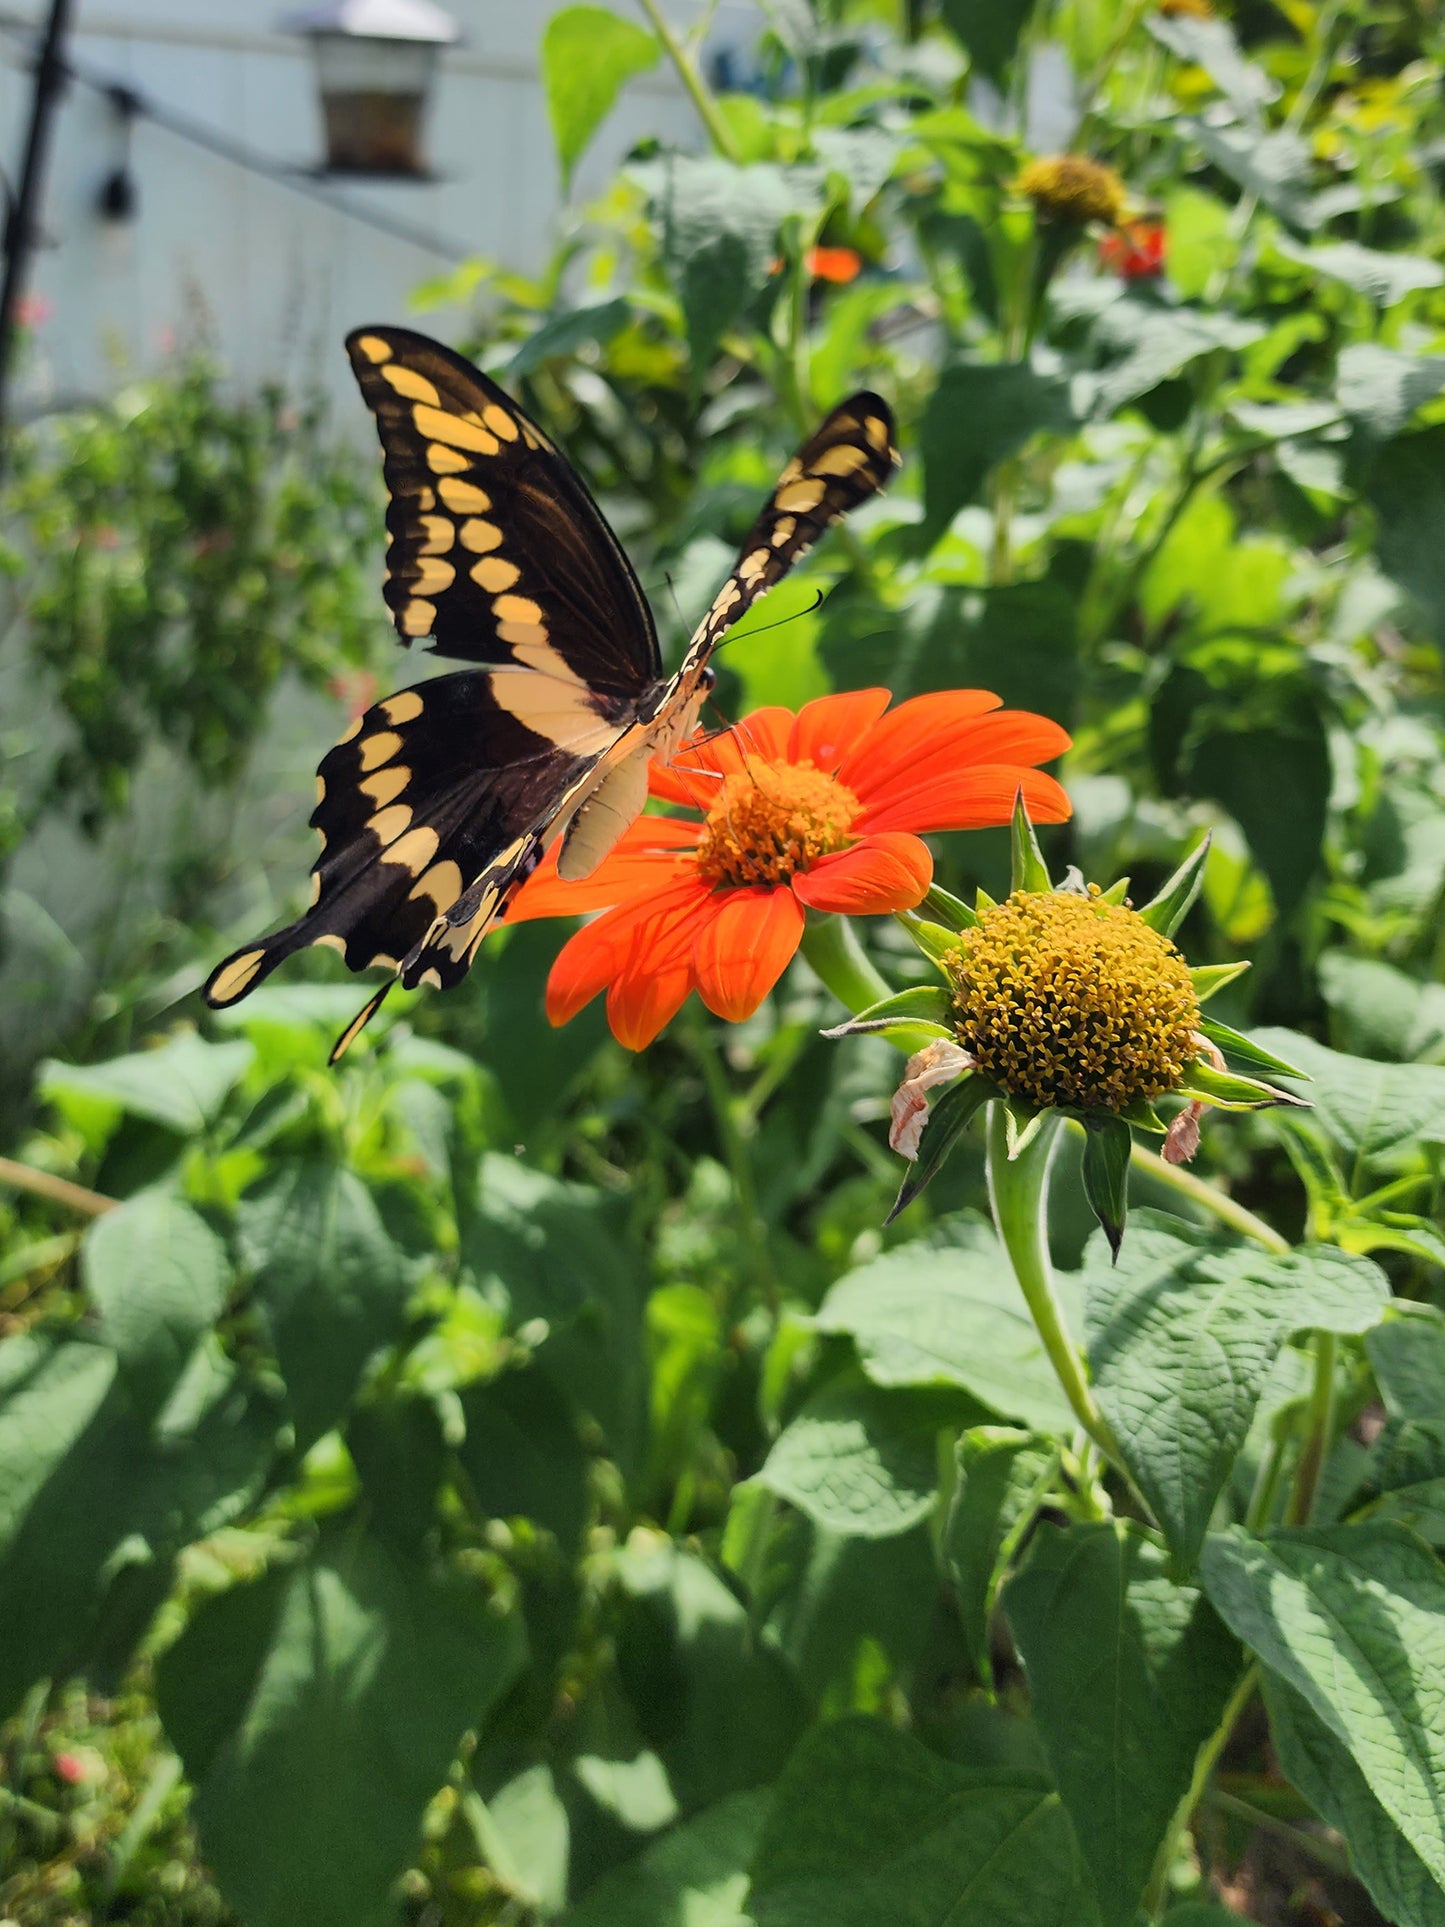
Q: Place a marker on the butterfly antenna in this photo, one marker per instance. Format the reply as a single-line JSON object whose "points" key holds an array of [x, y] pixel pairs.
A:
{"points": [[779, 622]]}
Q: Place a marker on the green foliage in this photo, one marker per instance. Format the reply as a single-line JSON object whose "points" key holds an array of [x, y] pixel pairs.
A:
{"points": [[535, 1483]]}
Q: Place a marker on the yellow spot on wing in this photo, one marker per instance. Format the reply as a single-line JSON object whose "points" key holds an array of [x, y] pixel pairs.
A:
{"points": [[783, 530], [379, 749], [233, 979], [406, 381], [352, 733], [414, 850], [404, 707], [495, 573], [464, 497], [500, 422], [417, 618], [374, 348], [432, 575], [442, 460], [846, 459], [876, 430], [802, 495], [516, 608], [387, 825], [442, 883], [479, 536], [332, 942], [440, 534], [437, 425], [386, 784]]}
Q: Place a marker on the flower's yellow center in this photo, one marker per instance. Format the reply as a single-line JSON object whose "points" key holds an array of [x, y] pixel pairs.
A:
{"points": [[1071, 187], [772, 820], [1068, 1000]]}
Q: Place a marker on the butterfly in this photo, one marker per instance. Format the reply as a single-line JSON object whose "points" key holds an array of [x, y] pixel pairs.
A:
{"points": [[438, 803]]}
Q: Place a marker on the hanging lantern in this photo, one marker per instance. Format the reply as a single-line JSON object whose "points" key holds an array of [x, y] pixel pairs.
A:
{"points": [[375, 64]]}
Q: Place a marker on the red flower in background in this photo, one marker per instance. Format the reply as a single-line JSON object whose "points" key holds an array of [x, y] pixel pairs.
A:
{"points": [[834, 264], [821, 811], [1135, 250]]}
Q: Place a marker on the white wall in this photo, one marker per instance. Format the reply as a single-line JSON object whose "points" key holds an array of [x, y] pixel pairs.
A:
{"points": [[280, 276]]}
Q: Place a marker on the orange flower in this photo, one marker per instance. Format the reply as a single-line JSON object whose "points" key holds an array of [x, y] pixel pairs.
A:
{"points": [[1136, 250], [818, 811]]}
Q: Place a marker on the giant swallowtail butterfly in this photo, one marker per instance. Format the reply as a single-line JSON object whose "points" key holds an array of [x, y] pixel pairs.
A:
{"points": [[438, 803]]}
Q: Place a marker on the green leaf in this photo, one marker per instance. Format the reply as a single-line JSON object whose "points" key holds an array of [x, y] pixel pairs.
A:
{"points": [[1107, 1143], [1381, 1115], [88, 1493], [1146, 345], [522, 1454], [946, 1310], [329, 1281], [588, 56], [1028, 869], [1209, 978], [1352, 1618], [1128, 1675], [1383, 1012], [945, 908], [869, 1826], [924, 1003], [158, 1275], [1381, 1856], [1182, 1337], [720, 239], [1167, 909], [561, 335], [949, 1118], [695, 1873], [1380, 388], [1275, 782], [1276, 166], [980, 413], [990, 30], [1230, 1091], [1199, 1913], [1382, 278], [1003, 1476], [1210, 44], [718, 1706], [1236, 1044], [284, 1697], [182, 1084], [1407, 1351], [864, 1461], [935, 940], [1406, 489], [1405, 1477]]}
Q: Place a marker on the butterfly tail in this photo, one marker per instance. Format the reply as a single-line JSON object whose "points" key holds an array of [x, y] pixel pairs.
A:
{"points": [[239, 974], [359, 1022]]}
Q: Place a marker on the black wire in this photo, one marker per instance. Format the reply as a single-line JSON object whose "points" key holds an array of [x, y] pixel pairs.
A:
{"points": [[185, 128]]}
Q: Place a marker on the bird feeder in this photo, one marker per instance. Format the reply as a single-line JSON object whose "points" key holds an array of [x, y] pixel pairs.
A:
{"points": [[376, 63]]}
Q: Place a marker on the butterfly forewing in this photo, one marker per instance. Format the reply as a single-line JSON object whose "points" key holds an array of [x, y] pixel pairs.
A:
{"points": [[847, 459], [497, 550], [439, 802]]}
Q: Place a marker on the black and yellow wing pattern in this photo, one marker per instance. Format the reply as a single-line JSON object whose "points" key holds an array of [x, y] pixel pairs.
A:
{"points": [[439, 801]]}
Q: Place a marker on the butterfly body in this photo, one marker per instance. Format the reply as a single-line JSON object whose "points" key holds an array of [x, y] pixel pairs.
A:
{"points": [[439, 801]]}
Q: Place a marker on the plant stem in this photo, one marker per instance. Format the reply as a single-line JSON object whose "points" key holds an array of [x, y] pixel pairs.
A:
{"points": [[1321, 1850], [702, 96], [831, 947], [1019, 1192], [1317, 1439], [735, 1154], [1205, 1762], [44, 1184], [1199, 1191], [1266, 1484]]}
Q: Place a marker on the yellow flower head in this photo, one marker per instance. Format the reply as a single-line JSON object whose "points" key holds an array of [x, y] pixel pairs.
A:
{"points": [[1071, 187], [1065, 1000], [1185, 9]]}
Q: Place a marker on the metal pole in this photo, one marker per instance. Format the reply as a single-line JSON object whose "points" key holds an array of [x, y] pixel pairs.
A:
{"points": [[20, 227]]}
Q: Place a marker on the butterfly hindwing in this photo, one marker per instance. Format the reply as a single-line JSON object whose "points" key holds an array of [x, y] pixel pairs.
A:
{"points": [[497, 549], [849, 457]]}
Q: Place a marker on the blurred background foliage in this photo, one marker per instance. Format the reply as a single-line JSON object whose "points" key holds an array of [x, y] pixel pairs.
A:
{"points": [[403, 1436]]}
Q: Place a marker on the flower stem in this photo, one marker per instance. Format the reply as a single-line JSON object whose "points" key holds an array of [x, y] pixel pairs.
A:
{"points": [[1228, 1210], [1317, 1439], [831, 946], [702, 96], [1019, 1191], [1205, 1762], [736, 1155], [44, 1184]]}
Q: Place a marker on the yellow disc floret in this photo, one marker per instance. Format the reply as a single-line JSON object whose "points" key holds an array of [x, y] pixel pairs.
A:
{"points": [[772, 820], [1066, 1000], [1071, 187]]}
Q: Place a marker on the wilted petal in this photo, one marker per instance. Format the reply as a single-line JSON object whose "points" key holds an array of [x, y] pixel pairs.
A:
{"points": [[937, 1063]]}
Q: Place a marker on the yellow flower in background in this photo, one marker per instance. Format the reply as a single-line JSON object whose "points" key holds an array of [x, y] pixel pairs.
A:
{"points": [[1071, 187]]}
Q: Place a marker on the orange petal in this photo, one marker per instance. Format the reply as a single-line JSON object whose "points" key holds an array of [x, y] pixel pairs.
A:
{"points": [[741, 953], [878, 874], [828, 727], [601, 951], [691, 776], [970, 799], [1008, 736], [910, 730], [652, 853], [656, 974]]}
